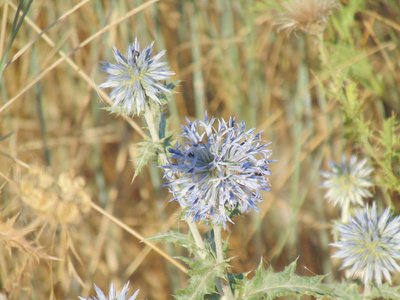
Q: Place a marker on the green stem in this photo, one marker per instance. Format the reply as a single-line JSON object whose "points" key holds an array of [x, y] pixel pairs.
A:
{"points": [[345, 213], [363, 135], [148, 116], [327, 61], [197, 238], [367, 291], [226, 292]]}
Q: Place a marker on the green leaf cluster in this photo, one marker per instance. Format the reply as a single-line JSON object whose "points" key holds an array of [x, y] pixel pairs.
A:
{"points": [[267, 284], [351, 291]]}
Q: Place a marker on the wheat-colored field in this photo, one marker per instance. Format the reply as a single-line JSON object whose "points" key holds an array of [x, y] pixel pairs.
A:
{"points": [[70, 215]]}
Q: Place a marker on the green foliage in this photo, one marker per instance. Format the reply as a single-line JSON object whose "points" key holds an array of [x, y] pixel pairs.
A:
{"points": [[148, 150], [177, 238], [389, 139], [267, 284], [345, 21], [350, 291], [352, 63], [20, 15], [117, 109], [203, 274], [360, 131], [381, 145], [267, 5], [204, 271], [345, 291], [164, 134], [386, 292]]}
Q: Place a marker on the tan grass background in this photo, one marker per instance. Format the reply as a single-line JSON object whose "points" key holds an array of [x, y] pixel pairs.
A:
{"points": [[231, 62]]}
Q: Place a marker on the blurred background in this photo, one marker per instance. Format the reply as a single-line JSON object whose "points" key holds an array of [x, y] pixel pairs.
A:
{"points": [[230, 61]]}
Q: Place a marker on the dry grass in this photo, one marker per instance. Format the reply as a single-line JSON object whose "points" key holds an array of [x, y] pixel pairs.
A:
{"points": [[232, 63]]}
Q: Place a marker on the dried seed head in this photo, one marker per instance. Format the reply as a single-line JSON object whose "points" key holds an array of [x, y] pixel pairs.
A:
{"points": [[61, 200], [36, 189], [309, 16], [66, 212]]}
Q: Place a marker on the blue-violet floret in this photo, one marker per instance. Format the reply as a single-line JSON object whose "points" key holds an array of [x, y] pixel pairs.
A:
{"points": [[348, 182], [370, 245], [112, 294], [217, 167], [136, 79]]}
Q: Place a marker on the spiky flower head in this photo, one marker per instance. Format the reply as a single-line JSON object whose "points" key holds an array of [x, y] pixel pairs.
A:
{"points": [[136, 79], [348, 182], [112, 294], [216, 168], [370, 245], [309, 16]]}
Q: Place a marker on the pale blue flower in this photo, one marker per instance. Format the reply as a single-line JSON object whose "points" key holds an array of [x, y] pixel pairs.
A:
{"points": [[137, 79], [112, 294], [348, 182], [370, 245], [217, 167]]}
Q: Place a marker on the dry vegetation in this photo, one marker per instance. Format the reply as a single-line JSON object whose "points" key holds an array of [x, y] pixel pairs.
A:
{"points": [[60, 151]]}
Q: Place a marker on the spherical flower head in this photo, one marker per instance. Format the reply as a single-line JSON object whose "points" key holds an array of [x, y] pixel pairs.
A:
{"points": [[136, 79], [348, 182], [112, 295], [370, 245], [217, 168], [309, 16]]}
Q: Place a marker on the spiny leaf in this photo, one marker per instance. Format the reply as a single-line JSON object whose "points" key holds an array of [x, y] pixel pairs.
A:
{"points": [[345, 291], [117, 109], [203, 274], [146, 152], [386, 292], [349, 291], [183, 240], [389, 139], [269, 285]]}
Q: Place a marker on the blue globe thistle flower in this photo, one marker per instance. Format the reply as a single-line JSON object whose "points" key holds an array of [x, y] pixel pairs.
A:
{"points": [[112, 294], [348, 183], [136, 79], [370, 245], [217, 169]]}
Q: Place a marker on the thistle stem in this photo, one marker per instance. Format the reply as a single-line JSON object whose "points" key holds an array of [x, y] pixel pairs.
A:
{"points": [[226, 292], [367, 291], [148, 116], [197, 238]]}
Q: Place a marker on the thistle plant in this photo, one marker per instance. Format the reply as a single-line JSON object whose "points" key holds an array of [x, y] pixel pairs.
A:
{"points": [[215, 170], [370, 245], [334, 86], [218, 167], [136, 80], [347, 184], [310, 16], [112, 294]]}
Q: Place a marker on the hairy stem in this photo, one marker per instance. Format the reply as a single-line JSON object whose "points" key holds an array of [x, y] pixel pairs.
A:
{"points": [[197, 238], [226, 292], [148, 116]]}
